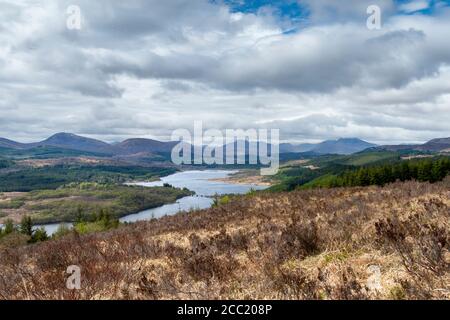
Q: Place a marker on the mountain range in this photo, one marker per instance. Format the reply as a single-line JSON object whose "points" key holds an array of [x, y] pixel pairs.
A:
{"points": [[149, 146], [75, 142]]}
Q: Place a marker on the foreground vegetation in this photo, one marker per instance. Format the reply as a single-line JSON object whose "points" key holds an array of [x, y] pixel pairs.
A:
{"points": [[84, 201], [12, 235], [345, 243], [17, 235]]}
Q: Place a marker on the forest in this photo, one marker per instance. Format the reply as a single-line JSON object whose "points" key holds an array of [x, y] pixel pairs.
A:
{"points": [[428, 170], [52, 177]]}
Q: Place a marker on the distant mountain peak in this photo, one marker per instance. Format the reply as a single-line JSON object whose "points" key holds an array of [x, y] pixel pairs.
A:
{"points": [[342, 146], [73, 141], [64, 134], [67, 135], [351, 140]]}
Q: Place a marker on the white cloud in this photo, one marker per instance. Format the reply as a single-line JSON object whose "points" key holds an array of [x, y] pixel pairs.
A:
{"points": [[144, 68]]}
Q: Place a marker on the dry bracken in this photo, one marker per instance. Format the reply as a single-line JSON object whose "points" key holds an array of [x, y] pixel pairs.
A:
{"points": [[356, 243]]}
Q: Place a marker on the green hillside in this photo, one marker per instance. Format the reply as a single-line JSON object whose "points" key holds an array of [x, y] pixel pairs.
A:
{"points": [[327, 170]]}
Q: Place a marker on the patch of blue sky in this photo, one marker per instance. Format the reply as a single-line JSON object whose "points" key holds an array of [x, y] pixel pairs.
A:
{"points": [[289, 12], [292, 9], [284, 9], [428, 7], [294, 16]]}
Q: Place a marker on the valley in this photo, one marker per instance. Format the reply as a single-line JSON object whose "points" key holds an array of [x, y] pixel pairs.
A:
{"points": [[156, 230], [237, 152], [57, 178]]}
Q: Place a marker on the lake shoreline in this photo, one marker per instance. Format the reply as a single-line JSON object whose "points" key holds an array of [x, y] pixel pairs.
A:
{"points": [[245, 177], [203, 185], [103, 198], [206, 184]]}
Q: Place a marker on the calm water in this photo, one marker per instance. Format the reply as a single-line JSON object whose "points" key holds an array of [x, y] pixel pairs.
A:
{"points": [[197, 181]]}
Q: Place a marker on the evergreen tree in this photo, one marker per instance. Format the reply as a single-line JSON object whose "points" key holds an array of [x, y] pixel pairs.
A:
{"points": [[80, 216], [421, 170], [39, 235], [26, 226], [8, 228]]}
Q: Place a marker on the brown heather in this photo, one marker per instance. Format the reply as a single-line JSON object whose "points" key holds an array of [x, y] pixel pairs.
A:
{"points": [[315, 244]]}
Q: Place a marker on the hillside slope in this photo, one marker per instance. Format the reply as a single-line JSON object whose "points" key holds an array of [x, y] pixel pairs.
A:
{"points": [[75, 142], [343, 146], [435, 145], [361, 243], [6, 143], [133, 146]]}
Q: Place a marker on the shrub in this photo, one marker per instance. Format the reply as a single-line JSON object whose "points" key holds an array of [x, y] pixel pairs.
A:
{"points": [[8, 228], [62, 231], [220, 201], [299, 240], [313, 244], [422, 248], [13, 240], [39, 235]]}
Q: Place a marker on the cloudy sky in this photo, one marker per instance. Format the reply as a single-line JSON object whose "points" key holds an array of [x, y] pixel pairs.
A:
{"points": [[142, 68]]}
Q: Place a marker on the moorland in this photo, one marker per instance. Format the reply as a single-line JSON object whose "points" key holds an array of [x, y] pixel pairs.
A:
{"points": [[388, 242], [369, 224]]}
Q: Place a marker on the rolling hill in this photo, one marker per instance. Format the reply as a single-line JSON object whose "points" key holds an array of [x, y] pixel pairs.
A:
{"points": [[134, 146], [74, 142], [435, 145], [296, 148], [70, 141], [342, 146], [6, 143]]}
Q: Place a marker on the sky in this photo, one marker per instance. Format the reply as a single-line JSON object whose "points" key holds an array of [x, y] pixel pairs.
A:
{"points": [[143, 68]]}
